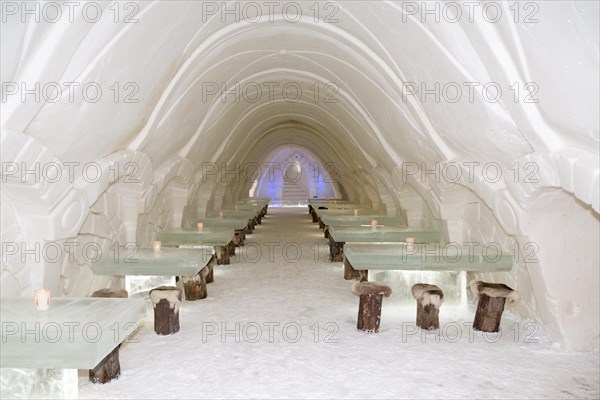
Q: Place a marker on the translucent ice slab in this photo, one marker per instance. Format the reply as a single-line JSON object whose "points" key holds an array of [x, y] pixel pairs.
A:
{"points": [[235, 223], [425, 257], [194, 237], [166, 262], [75, 333], [362, 220], [382, 234]]}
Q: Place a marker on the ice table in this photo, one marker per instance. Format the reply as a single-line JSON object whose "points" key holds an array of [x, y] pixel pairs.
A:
{"points": [[251, 216], [340, 235], [219, 238], [75, 333], [145, 269], [360, 221], [442, 264], [318, 215], [241, 226]]}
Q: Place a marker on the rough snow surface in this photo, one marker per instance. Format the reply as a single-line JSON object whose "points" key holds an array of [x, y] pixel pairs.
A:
{"points": [[280, 322]]}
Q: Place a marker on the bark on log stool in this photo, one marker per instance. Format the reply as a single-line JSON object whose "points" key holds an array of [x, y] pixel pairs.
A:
{"points": [[492, 297], [109, 368], [222, 253], [231, 248], [166, 300], [336, 250], [194, 287], [315, 217], [354, 274], [210, 269], [371, 299], [429, 299]]}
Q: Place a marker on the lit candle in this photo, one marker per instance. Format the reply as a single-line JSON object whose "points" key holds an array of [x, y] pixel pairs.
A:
{"points": [[236, 208], [156, 246], [374, 223], [410, 243], [42, 299], [355, 212], [200, 226], [220, 214]]}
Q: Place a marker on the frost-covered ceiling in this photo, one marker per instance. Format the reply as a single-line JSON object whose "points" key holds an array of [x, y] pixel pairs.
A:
{"points": [[162, 65]]}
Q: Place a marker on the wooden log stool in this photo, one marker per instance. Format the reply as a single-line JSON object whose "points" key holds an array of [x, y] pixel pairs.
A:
{"points": [[336, 250], [315, 217], [194, 287], [231, 247], [429, 299], [222, 253], [166, 300], [371, 299], [210, 269], [109, 368], [354, 274], [492, 297], [240, 237]]}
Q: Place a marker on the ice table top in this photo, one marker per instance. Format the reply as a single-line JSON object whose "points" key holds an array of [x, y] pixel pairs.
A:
{"points": [[235, 223], [147, 262], [261, 200], [382, 234], [344, 211], [205, 237], [243, 207], [425, 257], [74, 333], [248, 214], [362, 220]]}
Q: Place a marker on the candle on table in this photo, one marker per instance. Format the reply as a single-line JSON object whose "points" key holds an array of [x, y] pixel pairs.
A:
{"points": [[373, 223], [42, 299], [200, 226], [410, 243], [355, 212], [156, 246]]}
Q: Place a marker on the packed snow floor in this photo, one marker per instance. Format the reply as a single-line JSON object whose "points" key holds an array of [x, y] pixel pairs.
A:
{"points": [[280, 322]]}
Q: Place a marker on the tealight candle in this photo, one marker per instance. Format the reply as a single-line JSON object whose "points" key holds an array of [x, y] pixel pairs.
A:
{"points": [[355, 212], [374, 223], [220, 214], [410, 243], [156, 246], [200, 226], [42, 299]]}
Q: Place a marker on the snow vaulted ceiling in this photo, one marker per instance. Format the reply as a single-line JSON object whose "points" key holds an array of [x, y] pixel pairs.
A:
{"points": [[185, 83]]}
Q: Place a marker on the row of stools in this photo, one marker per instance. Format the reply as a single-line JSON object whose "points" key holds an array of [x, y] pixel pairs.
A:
{"points": [[491, 299]]}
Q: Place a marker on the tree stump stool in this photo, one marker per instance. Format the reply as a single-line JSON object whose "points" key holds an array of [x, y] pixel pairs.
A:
{"points": [[239, 237], [321, 224], [350, 273], [231, 248], [429, 299], [194, 287], [222, 254], [210, 269], [315, 217], [109, 368], [492, 297], [371, 299], [336, 250], [165, 301]]}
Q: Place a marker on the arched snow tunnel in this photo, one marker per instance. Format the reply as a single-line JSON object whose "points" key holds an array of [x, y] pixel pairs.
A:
{"points": [[484, 126]]}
